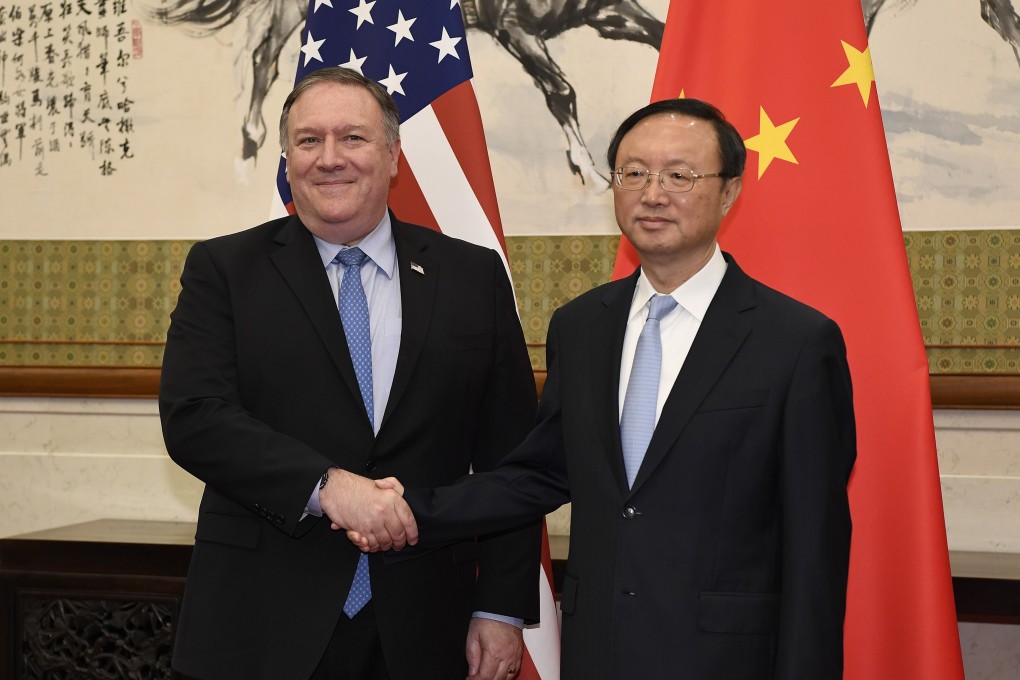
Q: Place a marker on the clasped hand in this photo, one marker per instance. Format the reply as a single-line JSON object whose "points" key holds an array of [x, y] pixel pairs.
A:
{"points": [[368, 541], [373, 513]]}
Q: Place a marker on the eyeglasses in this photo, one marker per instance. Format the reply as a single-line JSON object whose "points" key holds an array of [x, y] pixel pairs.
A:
{"points": [[676, 180]]}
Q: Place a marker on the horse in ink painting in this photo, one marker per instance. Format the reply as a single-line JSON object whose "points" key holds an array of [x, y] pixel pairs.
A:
{"points": [[521, 27], [1000, 15]]}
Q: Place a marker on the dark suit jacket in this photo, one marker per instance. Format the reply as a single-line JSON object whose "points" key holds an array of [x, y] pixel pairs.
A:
{"points": [[259, 397], [728, 557]]}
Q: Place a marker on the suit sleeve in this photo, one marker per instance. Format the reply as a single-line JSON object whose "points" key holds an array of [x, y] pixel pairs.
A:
{"points": [[819, 449], [525, 485], [528, 483], [206, 428], [508, 564]]}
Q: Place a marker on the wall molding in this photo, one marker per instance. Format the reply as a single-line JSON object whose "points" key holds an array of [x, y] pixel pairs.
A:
{"points": [[976, 391], [971, 391], [47, 381]]}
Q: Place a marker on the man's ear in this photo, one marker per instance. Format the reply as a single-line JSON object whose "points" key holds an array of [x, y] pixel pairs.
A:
{"points": [[394, 157], [730, 192]]}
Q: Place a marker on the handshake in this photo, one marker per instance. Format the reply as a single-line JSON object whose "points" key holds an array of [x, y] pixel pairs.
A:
{"points": [[373, 512]]}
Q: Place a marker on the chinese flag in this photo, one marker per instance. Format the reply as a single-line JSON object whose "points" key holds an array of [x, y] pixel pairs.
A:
{"points": [[817, 219]]}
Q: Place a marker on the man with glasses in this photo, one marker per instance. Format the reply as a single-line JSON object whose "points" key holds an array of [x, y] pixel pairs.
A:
{"points": [[702, 426]]}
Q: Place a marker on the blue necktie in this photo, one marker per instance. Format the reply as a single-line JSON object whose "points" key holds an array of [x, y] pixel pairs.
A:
{"points": [[638, 421], [354, 316]]}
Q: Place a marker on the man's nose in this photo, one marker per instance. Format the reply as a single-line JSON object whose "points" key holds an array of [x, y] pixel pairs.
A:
{"points": [[333, 155], [653, 193]]}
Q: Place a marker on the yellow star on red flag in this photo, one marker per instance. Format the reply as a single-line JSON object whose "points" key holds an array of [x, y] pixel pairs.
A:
{"points": [[770, 142], [860, 72]]}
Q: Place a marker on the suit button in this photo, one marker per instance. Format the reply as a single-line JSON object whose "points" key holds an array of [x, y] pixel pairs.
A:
{"points": [[370, 465], [630, 512]]}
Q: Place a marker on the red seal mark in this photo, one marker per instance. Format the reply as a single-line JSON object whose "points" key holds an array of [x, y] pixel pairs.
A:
{"points": [[136, 39]]}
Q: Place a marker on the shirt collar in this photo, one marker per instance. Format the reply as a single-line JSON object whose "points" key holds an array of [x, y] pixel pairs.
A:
{"points": [[695, 294], [378, 245]]}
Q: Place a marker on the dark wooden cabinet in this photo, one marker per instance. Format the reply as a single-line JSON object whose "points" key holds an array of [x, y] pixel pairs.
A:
{"points": [[100, 599], [93, 600], [986, 586]]}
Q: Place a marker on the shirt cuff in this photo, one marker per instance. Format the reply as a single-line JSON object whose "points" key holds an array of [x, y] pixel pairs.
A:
{"points": [[512, 620], [313, 507]]}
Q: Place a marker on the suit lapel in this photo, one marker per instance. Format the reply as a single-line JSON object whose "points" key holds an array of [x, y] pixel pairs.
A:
{"points": [[611, 324], [419, 276], [726, 325], [297, 259]]}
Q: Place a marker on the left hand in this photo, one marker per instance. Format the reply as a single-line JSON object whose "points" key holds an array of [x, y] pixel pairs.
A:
{"points": [[494, 650], [379, 514], [359, 540]]}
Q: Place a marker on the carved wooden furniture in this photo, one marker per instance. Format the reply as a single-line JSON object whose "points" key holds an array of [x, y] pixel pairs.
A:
{"points": [[93, 600], [100, 599]]}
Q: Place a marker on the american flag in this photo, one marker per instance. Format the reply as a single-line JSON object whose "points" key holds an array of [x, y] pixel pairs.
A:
{"points": [[418, 51]]}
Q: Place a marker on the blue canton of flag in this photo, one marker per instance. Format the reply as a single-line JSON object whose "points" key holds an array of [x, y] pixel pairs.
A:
{"points": [[416, 50]]}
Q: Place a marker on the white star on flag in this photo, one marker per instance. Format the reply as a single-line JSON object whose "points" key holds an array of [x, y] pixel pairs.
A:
{"points": [[311, 48], [363, 11], [402, 28], [354, 63], [320, 3], [392, 81], [446, 46]]}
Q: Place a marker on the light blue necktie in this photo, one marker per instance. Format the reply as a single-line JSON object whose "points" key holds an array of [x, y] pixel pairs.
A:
{"points": [[638, 421], [354, 316]]}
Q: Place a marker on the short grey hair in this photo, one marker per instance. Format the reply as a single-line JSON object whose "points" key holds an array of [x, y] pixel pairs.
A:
{"points": [[339, 75]]}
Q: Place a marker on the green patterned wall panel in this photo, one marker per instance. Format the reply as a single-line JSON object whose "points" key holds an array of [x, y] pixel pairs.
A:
{"points": [[107, 303], [87, 303], [967, 287], [551, 270]]}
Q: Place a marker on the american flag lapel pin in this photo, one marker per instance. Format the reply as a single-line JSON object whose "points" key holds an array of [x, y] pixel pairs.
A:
{"points": [[418, 268]]}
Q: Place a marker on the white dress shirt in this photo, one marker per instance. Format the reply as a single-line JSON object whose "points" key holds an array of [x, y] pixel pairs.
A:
{"points": [[677, 328]]}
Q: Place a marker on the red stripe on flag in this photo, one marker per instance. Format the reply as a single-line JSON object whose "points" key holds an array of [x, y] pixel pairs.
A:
{"points": [[407, 200], [458, 114], [549, 631], [528, 670]]}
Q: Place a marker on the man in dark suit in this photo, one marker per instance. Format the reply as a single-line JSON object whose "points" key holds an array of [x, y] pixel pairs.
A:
{"points": [[273, 398], [710, 527]]}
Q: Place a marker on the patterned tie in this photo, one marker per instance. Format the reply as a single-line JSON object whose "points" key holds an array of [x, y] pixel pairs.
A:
{"points": [[638, 421], [354, 316]]}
